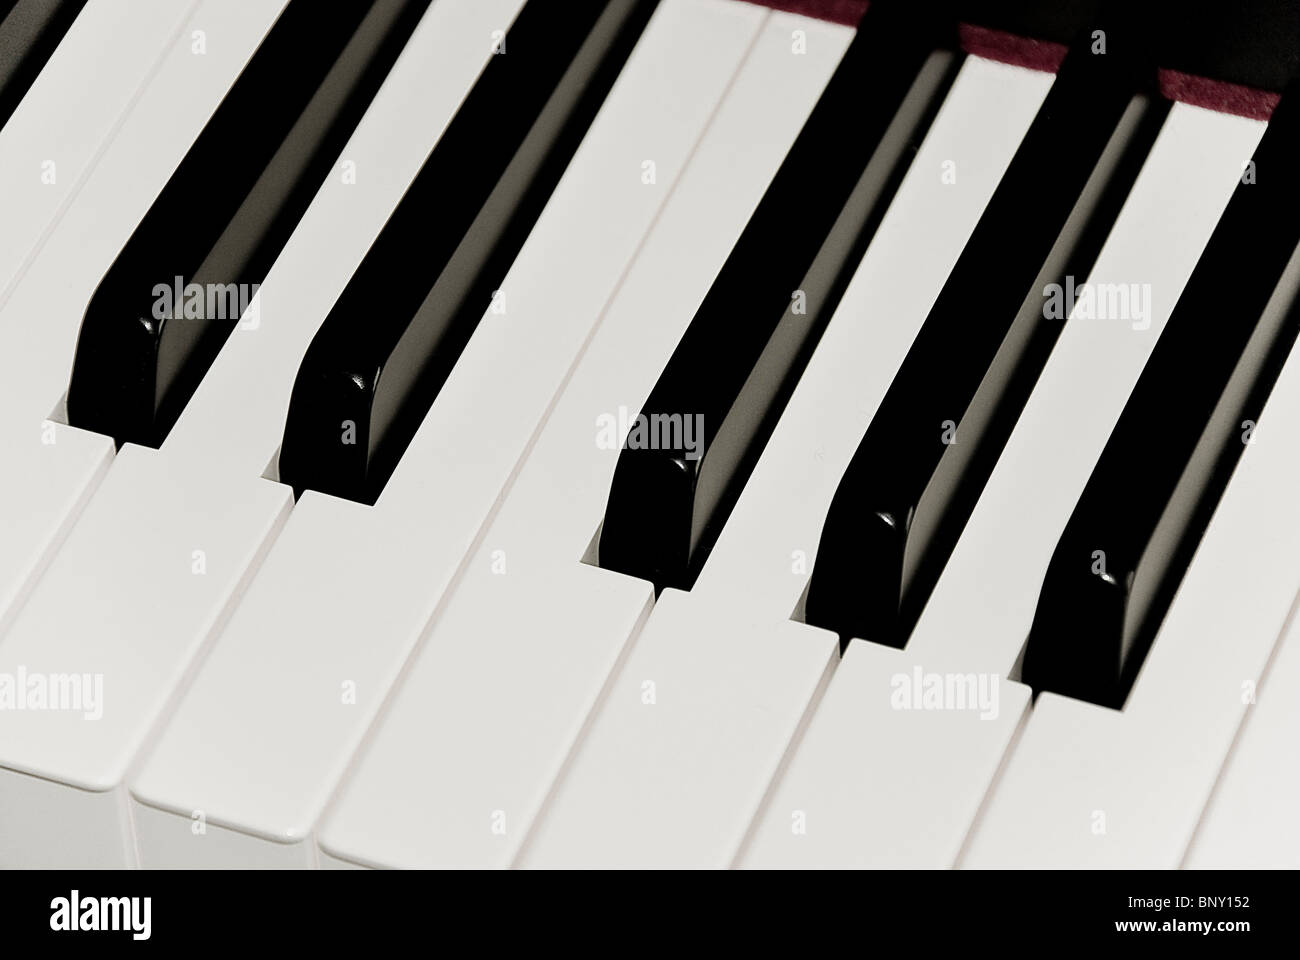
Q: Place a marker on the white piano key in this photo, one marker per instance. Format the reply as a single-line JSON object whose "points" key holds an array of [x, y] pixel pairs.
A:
{"points": [[980, 611], [40, 499], [863, 788], [677, 781], [51, 469], [693, 728], [1088, 786], [918, 775], [172, 535], [1250, 821], [348, 589], [71, 112], [463, 699]]}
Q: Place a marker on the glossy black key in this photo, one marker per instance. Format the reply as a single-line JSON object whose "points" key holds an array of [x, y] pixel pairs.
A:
{"points": [[932, 443], [719, 397], [227, 211], [29, 32], [1144, 509], [376, 364]]}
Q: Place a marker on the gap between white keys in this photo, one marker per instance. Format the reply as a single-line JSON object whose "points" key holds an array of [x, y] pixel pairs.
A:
{"points": [[525, 693], [919, 775], [1250, 821], [51, 469], [1093, 787], [347, 590], [732, 675], [165, 547]]}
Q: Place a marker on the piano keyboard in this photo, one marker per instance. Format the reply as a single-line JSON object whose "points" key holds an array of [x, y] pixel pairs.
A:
{"points": [[644, 433]]}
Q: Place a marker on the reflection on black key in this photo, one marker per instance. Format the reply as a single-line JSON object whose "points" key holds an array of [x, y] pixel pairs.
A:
{"points": [[929, 449], [390, 340], [718, 399], [227, 211], [1145, 507], [29, 32]]}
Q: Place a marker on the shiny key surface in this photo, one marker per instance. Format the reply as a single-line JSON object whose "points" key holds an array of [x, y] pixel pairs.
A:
{"points": [[166, 305], [173, 535], [903, 749], [720, 394], [700, 716], [526, 577], [401, 323], [343, 570], [955, 398], [1126, 546]]}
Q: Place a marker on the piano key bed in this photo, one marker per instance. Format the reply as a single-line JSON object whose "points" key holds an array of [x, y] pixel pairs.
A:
{"points": [[647, 433]]}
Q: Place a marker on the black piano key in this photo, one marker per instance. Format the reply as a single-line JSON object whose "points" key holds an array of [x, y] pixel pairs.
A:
{"points": [[390, 340], [742, 354], [1148, 500], [29, 32], [931, 445], [226, 213]]}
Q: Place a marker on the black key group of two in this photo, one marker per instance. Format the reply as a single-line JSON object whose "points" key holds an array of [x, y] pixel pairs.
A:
{"points": [[402, 320]]}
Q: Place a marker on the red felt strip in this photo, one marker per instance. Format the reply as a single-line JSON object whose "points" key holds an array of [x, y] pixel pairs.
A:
{"points": [[847, 12], [1008, 48], [1047, 56], [1218, 95]]}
